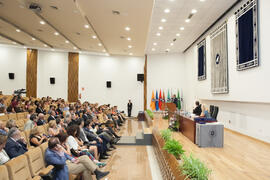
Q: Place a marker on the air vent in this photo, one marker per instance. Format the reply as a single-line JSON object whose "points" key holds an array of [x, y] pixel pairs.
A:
{"points": [[40, 30], [35, 7], [122, 37], [78, 33], [174, 39], [54, 7], [117, 13]]}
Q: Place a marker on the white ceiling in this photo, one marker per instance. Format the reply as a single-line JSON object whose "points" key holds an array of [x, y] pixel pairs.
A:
{"points": [[142, 16], [207, 12]]}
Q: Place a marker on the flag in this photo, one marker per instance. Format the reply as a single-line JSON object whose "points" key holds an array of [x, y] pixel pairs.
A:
{"points": [[163, 102], [160, 100], [153, 103], [168, 96], [157, 107], [178, 100]]}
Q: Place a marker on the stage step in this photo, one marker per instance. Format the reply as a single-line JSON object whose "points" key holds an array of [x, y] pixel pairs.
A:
{"points": [[140, 139]]}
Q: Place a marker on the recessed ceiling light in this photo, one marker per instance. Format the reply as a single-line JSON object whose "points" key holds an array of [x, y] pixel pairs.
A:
{"points": [[182, 28], [158, 34], [18, 30], [163, 20], [187, 20], [129, 46], [160, 28], [33, 39], [115, 12], [42, 22], [171, 44], [24, 47], [67, 41], [53, 50], [99, 44], [94, 37], [86, 26], [167, 50], [74, 47], [171, 0], [153, 49], [202, 0], [127, 28], [45, 45], [129, 39], [14, 42], [56, 33], [178, 34], [154, 44], [103, 50], [107, 54], [193, 11], [167, 10], [130, 54]]}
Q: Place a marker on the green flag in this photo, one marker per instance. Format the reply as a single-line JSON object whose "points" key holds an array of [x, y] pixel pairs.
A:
{"points": [[168, 96], [178, 100]]}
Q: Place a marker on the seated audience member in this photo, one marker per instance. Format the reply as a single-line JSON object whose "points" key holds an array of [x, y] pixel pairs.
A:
{"points": [[39, 109], [11, 123], [52, 116], [76, 144], [205, 112], [36, 137], [31, 123], [41, 119], [197, 110], [3, 111], [65, 164], [61, 125], [53, 130], [3, 155], [16, 144], [3, 129], [10, 109], [2, 104]]}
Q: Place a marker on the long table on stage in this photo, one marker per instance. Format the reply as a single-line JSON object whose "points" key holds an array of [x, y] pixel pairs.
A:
{"points": [[187, 127]]}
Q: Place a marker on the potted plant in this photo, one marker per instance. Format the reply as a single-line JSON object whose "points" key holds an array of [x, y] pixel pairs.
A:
{"points": [[150, 113], [193, 168], [174, 147], [166, 134]]}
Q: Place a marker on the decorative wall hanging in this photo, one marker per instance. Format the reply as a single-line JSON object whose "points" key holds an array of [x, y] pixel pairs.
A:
{"points": [[219, 60], [247, 36], [202, 60]]}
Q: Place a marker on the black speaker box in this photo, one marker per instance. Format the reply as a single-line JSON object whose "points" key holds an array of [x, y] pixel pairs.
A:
{"points": [[140, 77], [52, 80], [11, 75], [109, 84]]}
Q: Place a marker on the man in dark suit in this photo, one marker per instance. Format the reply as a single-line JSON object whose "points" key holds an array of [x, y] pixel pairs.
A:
{"points": [[52, 116], [129, 106], [16, 144], [197, 110], [175, 100]]}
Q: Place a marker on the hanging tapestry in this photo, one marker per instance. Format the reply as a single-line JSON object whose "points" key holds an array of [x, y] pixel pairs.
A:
{"points": [[247, 36], [202, 60], [219, 60]]}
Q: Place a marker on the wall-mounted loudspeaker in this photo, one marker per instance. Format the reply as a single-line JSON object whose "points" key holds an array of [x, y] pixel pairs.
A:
{"points": [[52, 80], [140, 77], [109, 84], [11, 75]]}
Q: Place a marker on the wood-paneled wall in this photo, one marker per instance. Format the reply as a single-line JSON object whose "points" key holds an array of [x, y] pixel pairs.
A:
{"points": [[31, 73], [145, 84], [73, 76]]}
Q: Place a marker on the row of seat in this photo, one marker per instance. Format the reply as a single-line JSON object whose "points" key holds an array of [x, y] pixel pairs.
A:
{"points": [[30, 165]]}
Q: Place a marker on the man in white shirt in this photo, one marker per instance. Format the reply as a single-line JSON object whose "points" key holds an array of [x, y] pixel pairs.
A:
{"points": [[3, 155]]}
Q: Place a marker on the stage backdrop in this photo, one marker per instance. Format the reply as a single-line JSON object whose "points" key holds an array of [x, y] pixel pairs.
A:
{"points": [[247, 36], [202, 60], [219, 60]]}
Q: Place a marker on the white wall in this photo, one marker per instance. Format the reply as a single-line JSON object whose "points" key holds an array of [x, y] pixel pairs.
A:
{"points": [[12, 60], [246, 107], [165, 71], [52, 64], [122, 71]]}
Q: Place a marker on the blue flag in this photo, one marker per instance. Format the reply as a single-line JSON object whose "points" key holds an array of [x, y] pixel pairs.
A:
{"points": [[157, 107]]}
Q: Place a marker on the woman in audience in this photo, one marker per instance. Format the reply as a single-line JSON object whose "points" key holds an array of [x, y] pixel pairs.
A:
{"points": [[11, 123], [53, 130], [31, 123], [36, 137], [61, 125], [3, 155], [3, 129], [77, 144]]}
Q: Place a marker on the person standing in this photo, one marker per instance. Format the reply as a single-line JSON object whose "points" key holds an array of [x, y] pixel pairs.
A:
{"points": [[129, 106]]}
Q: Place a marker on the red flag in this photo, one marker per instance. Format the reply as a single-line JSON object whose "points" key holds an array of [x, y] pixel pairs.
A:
{"points": [[159, 100], [163, 102]]}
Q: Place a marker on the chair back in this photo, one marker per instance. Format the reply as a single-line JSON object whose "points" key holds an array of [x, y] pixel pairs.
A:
{"points": [[3, 172], [211, 110], [215, 113], [12, 116], [35, 161], [18, 168]]}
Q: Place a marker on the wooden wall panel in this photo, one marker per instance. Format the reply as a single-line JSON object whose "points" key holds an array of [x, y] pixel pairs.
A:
{"points": [[145, 84], [31, 73], [73, 76]]}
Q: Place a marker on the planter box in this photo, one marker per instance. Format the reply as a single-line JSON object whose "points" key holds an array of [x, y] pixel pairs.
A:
{"points": [[168, 164], [148, 119]]}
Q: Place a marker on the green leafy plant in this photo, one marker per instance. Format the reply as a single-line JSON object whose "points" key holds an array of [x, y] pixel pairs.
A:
{"points": [[194, 169], [174, 147], [166, 134], [150, 113]]}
